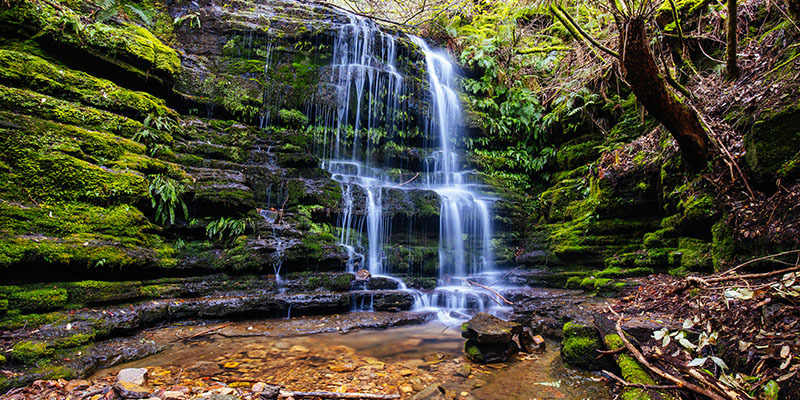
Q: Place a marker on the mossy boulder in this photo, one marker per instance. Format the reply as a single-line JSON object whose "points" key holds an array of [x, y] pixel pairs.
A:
{"points": [[772, 143], [580, 345]]}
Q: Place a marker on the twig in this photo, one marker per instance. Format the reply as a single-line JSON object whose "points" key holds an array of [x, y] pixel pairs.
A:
{"points": [[619, 350], [658, 371], [760, 259], [334, 395], [491, 290], [736, 277], [640, 385], [409, 181], [205, 332]]}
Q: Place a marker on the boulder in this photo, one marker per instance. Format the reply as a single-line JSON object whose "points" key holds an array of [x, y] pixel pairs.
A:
{"points": [[133, 375], [487, 329], [130, 390], [488, 353]]}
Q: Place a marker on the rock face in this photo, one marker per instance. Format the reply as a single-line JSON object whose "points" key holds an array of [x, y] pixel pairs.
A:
{"points": [[489, 339]]}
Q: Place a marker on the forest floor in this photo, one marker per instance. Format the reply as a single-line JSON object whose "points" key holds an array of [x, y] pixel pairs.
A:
{"points": [[748, 319]]}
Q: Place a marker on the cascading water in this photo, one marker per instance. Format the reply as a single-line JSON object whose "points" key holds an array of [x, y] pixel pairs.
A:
{"points": [[369, 92]]}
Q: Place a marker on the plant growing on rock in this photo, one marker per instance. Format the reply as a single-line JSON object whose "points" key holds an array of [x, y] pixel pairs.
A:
{"points": [[165, 197]]}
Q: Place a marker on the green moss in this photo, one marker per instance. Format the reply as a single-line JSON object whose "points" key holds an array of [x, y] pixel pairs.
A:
{"points": [[28, 352], [131, 48], [722, 244], [67, 112], [80, 234], [34, 73], [696, 255], [771, 143], [632, 372], [88, 292], [38, 300], [293, 118], [581, 351]]}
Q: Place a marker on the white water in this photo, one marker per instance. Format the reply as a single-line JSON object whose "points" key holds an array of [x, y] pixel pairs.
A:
{"points": [[369, 94]]}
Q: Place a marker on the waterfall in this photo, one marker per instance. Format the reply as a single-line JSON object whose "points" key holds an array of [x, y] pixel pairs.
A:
{"points": [[369, 94]]}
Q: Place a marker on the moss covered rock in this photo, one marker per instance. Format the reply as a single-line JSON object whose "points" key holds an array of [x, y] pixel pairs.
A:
{"points": [[771, 144], [580, 346], [38, 300]]}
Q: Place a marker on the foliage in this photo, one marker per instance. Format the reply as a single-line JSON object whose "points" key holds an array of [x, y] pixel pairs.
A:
{"points": [[193, 20], [225, 227], [110, 9], [165, 198]]}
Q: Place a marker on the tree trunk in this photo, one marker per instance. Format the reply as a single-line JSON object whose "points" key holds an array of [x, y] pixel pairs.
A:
{"points": [[732, 69], [648, 84]]}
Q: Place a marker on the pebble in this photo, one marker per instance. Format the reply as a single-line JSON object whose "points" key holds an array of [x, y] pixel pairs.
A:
{"points": [[342, 367], [405, 372], [257, 353], [465, 370]]}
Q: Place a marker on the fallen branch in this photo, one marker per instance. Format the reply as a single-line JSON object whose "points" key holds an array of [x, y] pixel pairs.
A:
{"points": [[491, 290], [334, 395], [658, 371], [640, 385], [205, 332], [732, 270], [704, 282], [409, 181]]}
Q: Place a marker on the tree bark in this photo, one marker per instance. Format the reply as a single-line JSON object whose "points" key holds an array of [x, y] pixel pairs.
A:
{"points": [[650, 87], [732, 68]]}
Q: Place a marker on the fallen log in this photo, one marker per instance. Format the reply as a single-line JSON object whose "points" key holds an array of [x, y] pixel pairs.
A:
{"points": [[335, 395]]}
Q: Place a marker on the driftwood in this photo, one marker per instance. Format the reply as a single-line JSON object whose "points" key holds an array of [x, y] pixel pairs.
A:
{"points": [[205, 332], [334, 395], [491, 290], [658, 371]]}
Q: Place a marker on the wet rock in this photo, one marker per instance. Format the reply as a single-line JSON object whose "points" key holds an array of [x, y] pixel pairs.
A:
{"points": [[531, 343], [392, 301], [488, 353], [205, 368], [487, 329], [465, 370], [265, 391], [348, 367], [133, 375], [77, 384], [130, 390], [173, 395], [431, 392]]}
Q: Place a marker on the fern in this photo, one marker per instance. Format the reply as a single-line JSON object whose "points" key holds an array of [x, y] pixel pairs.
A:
{"points": [[165, 198]]}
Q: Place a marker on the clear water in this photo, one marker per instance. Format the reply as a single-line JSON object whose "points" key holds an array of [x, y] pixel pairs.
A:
{"points": [[430, 353]]}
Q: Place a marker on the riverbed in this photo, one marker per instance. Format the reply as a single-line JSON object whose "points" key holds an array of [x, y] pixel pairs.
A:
{"points": [[400, 360]]}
